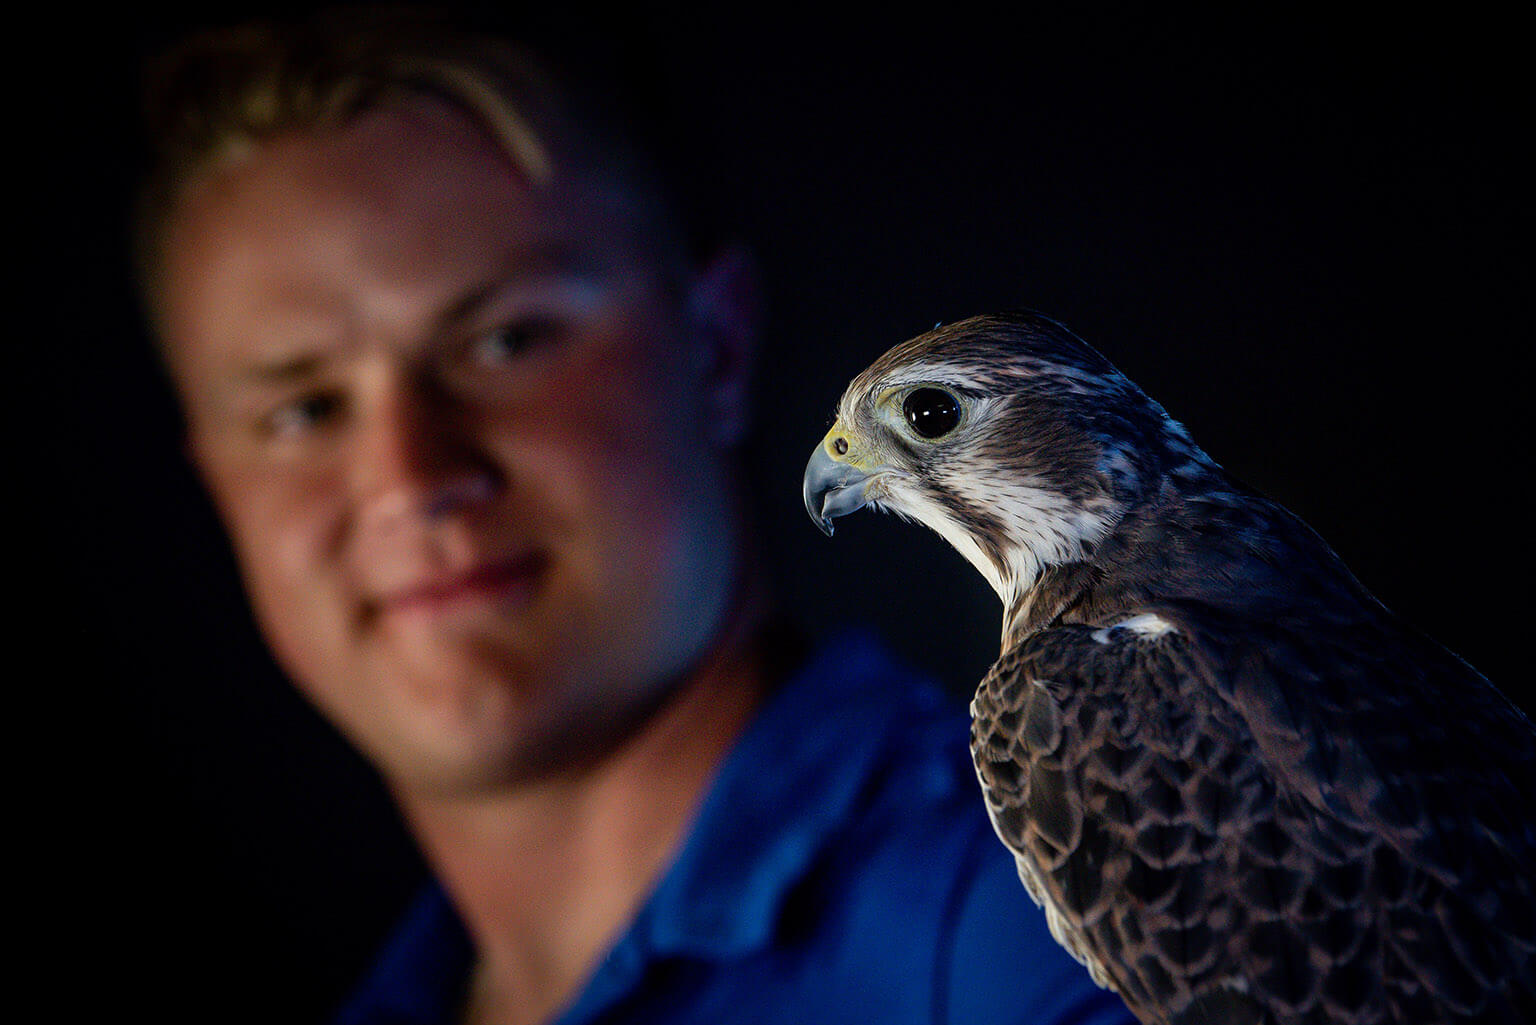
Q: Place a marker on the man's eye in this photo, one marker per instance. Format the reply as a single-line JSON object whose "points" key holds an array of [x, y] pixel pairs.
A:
{"points": [[510, 341], [302, 415]]}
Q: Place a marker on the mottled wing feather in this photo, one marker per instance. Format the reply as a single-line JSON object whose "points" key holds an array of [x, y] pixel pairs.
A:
{"points": [[1378, 730], [1214, 843]]}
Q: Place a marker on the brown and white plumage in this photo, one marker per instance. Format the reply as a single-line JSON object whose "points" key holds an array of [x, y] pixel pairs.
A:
{"points": [[1241, 788]]}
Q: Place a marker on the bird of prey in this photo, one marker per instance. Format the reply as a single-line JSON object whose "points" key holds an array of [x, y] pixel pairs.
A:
{"points": [[1243, 790]]}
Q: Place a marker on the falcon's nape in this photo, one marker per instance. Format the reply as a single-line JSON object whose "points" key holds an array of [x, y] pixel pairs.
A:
{"points": [[1242, 789]]}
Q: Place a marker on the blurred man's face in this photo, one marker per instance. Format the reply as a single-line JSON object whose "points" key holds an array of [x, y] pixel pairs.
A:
{"points": [[457, 427]]}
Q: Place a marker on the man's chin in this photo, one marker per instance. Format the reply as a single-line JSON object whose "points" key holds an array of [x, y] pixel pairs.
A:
{"points": [[443, 769], [498, 745], [485, 747]]}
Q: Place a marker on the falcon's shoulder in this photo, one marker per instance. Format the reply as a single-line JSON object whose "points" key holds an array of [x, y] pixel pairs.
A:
{"points": [[1104, 772]]}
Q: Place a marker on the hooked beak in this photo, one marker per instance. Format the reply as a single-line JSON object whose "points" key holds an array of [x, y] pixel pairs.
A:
{"points": [[833, 487]]}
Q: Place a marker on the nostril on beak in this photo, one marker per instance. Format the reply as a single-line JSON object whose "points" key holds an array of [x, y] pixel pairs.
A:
{"points": [[840, 446]]}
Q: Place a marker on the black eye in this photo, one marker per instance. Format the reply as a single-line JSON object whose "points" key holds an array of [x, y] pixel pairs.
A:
{"points": [[509, 341], [302, 415], [931, 412]]}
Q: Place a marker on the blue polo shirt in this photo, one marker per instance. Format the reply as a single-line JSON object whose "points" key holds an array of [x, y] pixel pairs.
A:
{"points": [[841, 870]]}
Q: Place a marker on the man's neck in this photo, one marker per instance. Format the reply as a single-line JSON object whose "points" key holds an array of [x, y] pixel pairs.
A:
{"points": [[548, 875]]}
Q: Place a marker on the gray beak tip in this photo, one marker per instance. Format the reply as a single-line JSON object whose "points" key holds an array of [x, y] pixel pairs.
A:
{"points": [[832, 489]]}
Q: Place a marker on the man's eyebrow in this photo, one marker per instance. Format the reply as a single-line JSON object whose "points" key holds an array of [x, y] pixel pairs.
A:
{"points": [[465, 307], [281, 369], [538, 264]]}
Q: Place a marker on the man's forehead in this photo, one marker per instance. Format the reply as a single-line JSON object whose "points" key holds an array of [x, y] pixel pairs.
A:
{"points": [[418, 170], [412, 161], [411, 203]]}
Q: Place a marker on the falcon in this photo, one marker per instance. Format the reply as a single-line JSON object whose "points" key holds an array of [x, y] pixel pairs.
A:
{"points": [[1242, 790]]}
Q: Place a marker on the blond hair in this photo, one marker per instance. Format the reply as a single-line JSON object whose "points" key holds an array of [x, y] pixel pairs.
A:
{"points": [[220, 93]]}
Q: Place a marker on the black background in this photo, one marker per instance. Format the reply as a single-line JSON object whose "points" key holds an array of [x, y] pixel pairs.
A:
{"points": [[1305, 235]]}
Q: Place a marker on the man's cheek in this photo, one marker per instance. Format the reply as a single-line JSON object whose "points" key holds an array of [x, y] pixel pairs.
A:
{"points": [[294, 589]]}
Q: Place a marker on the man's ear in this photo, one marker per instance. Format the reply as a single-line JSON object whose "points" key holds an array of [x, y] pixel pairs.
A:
{"points": [[725, 306]]}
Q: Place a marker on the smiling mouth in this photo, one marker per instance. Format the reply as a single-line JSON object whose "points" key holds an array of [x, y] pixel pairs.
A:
{"points": [[506, 582]]}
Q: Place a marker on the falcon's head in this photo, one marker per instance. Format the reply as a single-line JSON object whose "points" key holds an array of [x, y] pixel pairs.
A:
{"points": [[1006, 434]]}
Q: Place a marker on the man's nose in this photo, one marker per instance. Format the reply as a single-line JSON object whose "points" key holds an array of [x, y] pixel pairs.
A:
{"points": [[417, 459]]}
